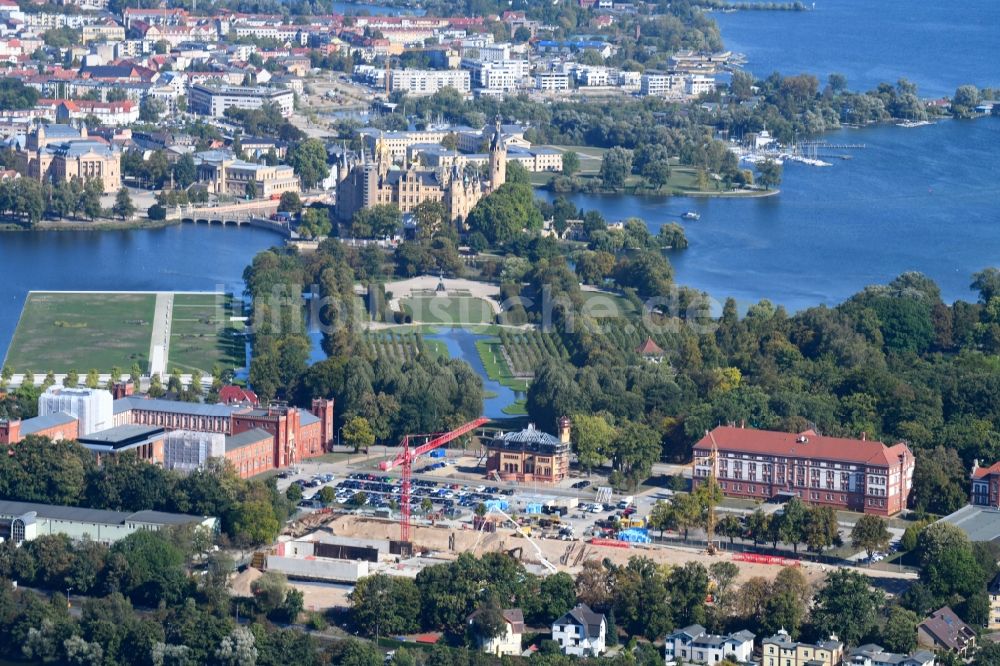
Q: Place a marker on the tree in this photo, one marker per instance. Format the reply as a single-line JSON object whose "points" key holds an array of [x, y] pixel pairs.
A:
{"points": [[792, 523], [847, 606], [381, 221], [185, 171], [308, 159], [293, 493], [315, 222], [290, 202], [488, 623], [662, 516], [357, 433], [123, 207], [505, 213], [730, 527], [254, 523], [948, 564], [769, 174], [570, 163], [238, 648], [250, 190], [93, 378], [91, 198], [382, 604], [822, 530], [900, 632], [687, 512], [430, 217], [870, 533], [593, 439], [616, 165], [964, 102], [634, 451], [723, 574], [150, 110], [71, 379]]}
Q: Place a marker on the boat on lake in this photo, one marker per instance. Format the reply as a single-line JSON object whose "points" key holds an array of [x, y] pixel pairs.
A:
{"points": [[691, 215]]}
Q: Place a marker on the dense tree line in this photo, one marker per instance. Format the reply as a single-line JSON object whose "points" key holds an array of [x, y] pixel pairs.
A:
{"points": [[65, 473]]}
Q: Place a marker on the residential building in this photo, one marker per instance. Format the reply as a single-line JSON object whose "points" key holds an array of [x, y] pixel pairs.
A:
{"points": [[660, 84], [854, 474], [105, 31], [698, 84], [145, 441], [530, 454], [694, 644], [91, 407], [499, 77], [781, 650], [428, 81], [214, 100], [251, 452], [114, 114], [57, 427], [26, 521], [875, 655], [581, 632], [509, 641], [58, 153], [985, 485], [552, 81], [943, 630], [993, 623]]}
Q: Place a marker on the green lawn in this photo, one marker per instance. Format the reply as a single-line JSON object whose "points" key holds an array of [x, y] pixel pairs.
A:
{"points": [[456, 310], [495, 365], [79, 331], [202, 335]]}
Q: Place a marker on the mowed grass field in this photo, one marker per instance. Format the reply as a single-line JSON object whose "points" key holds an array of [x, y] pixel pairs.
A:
{"points": [[457, 310], [201, 334], [79, 331]]}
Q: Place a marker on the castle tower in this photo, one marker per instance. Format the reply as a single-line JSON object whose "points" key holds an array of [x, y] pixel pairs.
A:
{"points": [[564, 429], [323, 409], [382, 159], [498, 159]]}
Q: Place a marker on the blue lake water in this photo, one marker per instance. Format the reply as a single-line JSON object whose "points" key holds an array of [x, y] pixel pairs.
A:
{"points": [[923, 199], [177, 258], [937, 45]]}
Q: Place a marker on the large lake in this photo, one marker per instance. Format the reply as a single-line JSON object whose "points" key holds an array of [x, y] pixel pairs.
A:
{"points": [[937, 45], [923, 199], [177, 258]]}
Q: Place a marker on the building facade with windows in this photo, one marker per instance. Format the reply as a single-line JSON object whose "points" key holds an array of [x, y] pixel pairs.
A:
{"points": [[781, 650], [530, 454], [581, 632], [853, 474], [694, 644], [58, 153], [214, 100]]}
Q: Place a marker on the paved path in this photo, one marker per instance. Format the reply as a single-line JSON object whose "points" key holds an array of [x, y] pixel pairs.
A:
{"points": [[159, 343]]}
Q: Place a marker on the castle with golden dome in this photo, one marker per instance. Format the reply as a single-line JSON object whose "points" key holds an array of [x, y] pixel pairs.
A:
{"points": [[364, 183]]}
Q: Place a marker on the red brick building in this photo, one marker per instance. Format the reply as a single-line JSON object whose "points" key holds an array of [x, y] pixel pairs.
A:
{"points": [[251, 452], [853, 474], [54, 426], [530, 455]]}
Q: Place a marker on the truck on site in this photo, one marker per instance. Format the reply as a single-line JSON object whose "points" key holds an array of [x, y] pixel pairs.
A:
{"points": [[626, 502]]}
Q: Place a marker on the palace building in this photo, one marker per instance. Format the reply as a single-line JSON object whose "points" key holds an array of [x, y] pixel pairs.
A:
{"points": [[853, 474], [530, 454], [365, 183], [59, 153]]}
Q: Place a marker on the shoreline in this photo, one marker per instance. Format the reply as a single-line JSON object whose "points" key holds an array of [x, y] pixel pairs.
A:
{"points": [[102, 225]]}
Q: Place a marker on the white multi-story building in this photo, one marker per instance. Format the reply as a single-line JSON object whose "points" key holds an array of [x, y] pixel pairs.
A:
{"points": [[581, 632], [214, 100], [666, 84], [188, 450], [693, 644], [698, 84], [93, 408], [552, 81], [428, 81], [502, 76]]}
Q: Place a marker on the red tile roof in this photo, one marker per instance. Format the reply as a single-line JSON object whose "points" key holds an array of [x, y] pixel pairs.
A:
{"points": [[986, 471], [806, 444], [649, 348]]}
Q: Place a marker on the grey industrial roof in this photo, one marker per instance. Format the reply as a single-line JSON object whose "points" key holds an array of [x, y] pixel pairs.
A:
{"points": [[33, 425], [171, 406], [247, 438], [528, 439], [308, 418], [123, 434], [9, 509], [980, 523]]}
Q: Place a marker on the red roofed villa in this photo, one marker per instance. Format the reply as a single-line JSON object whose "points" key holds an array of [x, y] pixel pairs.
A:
{"points": [[852, 474]]}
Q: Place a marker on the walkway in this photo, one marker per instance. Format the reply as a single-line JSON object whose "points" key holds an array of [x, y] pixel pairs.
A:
{"points": [[159, 342]]}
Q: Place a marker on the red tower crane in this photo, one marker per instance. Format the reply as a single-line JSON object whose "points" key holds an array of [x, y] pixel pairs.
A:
{"points": [[405, 460]]}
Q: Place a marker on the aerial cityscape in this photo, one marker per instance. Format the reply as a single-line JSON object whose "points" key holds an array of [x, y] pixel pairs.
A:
{"points": [[490, 333]]}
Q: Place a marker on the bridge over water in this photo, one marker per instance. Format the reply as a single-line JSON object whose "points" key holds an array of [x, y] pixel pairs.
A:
{"points": [[253, 213]]}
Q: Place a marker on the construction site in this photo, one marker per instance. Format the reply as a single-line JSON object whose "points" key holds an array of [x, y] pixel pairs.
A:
{"points": [[325, 551]]}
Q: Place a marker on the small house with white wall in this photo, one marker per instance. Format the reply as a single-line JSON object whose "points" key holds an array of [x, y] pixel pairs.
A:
{"points": [[581, 632]]}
